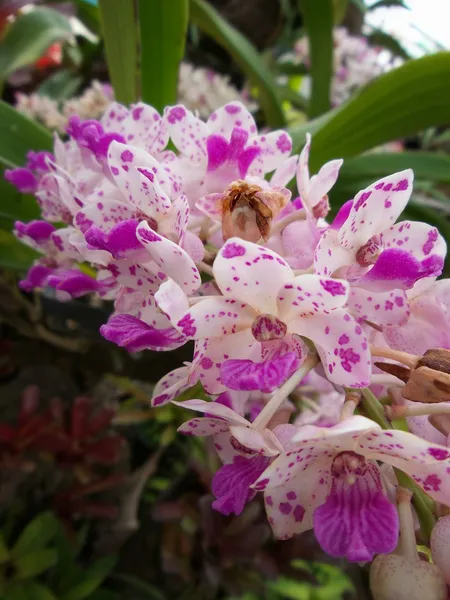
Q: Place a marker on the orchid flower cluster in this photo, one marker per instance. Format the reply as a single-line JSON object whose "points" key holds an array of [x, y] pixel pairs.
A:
{"points": [[356, 63], [194, 235]]}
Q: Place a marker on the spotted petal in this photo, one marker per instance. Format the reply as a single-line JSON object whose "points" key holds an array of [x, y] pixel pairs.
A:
{"points": [[376, 208], [187, 132], [330, 255], [341, 344], [290, 506], [234, 114], [427, 463], [144, 182], [170, 258], [216, 317], [386, 308], [251, 274], [309, 295], [170, 386]]}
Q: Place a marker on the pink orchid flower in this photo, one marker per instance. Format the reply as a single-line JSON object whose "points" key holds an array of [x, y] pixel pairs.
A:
{"points": [[329, 480], [245, 450], [224, 149], [262, 313]]}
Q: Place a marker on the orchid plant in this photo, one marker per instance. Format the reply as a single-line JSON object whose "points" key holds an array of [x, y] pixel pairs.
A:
{"points": [[194, 234]]}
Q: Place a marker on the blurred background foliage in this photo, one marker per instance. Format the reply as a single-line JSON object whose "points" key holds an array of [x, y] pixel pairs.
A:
{"points": [[120, 512]]}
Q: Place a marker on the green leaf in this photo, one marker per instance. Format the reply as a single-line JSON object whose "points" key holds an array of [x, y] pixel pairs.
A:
{"points": [[60, 86], [93, 578], [244, 54], [383, 39], [41, 529], [399, 103], [163, 28], [13, 254], [339, 10], [35, 563], [289, 588], [119, 28], [18, 135], [29, 36], [37, 591], [426, 165], [318, 17], [29, 590]]}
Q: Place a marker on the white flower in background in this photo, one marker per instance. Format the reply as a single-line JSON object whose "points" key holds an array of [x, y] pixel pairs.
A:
{"points": [[355, 64], [200, 90], [204, 90]]}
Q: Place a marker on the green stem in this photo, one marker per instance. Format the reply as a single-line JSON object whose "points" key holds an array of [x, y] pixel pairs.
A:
{"points": [[423, 505]]}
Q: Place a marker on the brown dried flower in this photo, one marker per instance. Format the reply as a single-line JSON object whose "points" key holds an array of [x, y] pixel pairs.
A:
{"points": [[428, 379], [248, 210]]}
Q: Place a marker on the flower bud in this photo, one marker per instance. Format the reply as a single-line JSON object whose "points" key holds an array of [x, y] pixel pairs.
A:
{"points": [[440, 546], [428, 380], [395, 577]]}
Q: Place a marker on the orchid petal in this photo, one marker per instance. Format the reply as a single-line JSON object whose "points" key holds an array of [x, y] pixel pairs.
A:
{"points": [[386, 308], [171, 259], [341, 344], [309, 295], [234, 114], [376, 208], [251, 273]]}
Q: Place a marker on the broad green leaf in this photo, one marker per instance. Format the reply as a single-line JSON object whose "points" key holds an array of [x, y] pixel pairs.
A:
{"points": [[41, 529], [119, 28], [245, 55], [18, 135], [34, 563], [60, 86], [383, 39], [339, 10], [92, 579], [29, 36], [318, 18], [163, 28], [402, 102], [426, 165]]}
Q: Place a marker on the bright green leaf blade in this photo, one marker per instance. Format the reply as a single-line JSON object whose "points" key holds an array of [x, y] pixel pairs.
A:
{"points": [[62, 85], [119, 28], [42, 528], [289, 588], [426, 165], [18, 135], [246, 56], [163, 28], [399, 103], [35, 563], [93, 578], [29, 37], [318, 17]]}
